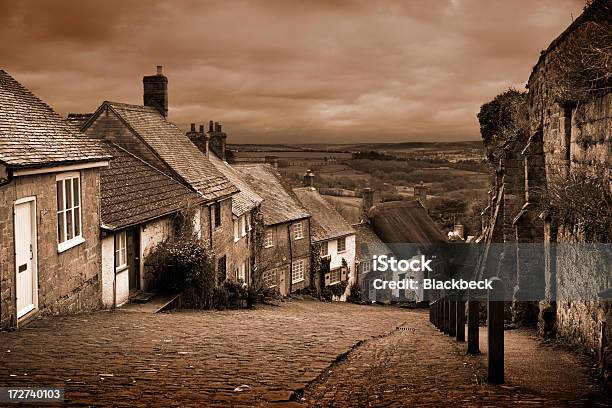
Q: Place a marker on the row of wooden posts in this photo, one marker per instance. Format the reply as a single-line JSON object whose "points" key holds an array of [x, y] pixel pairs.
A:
{"points": [[448, 314]]}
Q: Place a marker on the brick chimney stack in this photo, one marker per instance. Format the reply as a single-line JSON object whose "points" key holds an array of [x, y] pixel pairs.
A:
{"points": [[309, 179], [156, 91], [200, 139], [217, 139]]}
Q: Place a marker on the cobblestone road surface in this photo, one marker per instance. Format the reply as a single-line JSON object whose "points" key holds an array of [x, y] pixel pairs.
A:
{"points": [[263, 357]]}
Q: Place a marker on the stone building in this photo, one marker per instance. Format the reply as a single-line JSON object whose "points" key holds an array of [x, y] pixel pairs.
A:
{"points": [[331, 231], [245, 204], [369, 245], [566, 143], [286, 231], [50, 259], [571, 124], [138, 204], [145, 132]]}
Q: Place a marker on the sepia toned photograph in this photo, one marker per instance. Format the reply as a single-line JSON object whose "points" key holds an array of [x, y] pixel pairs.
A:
{"points": [[327, 203]]}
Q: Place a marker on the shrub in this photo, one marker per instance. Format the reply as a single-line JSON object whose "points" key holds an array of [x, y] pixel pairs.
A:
{"points": [[355, 296]]}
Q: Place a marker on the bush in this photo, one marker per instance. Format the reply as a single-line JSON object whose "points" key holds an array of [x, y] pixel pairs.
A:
{"points": [[355, 296], [329, 292]]}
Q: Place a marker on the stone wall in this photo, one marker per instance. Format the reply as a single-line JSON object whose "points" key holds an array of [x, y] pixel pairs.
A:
{"points": [[287, 249], [70, 281]]}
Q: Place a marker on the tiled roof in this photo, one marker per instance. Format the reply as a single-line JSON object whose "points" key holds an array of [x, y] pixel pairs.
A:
{"points": [[326, 223], [175, 149], [279, 203], [32, 134], [78, 119], [404, 222], [246, 199], [368, 243], [133, 192]]}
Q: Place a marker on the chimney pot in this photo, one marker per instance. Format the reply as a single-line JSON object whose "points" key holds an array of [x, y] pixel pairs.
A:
{"points": [[210, 126], [159, 70], [309, 179], [193, 127], [201, 129]]}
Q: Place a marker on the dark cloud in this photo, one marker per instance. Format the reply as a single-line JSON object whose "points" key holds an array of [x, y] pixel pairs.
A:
{"points": [[282, 71]]}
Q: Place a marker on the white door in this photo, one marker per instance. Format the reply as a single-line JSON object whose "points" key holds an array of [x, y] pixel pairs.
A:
{"points": [[24, 257]]}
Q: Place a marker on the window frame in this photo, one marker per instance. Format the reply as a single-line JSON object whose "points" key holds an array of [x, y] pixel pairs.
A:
{"points": [[338, 241], [121, 251], [236, 229], [325, 245], [75, 211], [302, 272], [269, 233], [298, 231], [368, 264], [217, 214], [243, 230]]}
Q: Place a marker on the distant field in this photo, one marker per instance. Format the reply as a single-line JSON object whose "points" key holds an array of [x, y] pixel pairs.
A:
{"points": [[291, 154]]}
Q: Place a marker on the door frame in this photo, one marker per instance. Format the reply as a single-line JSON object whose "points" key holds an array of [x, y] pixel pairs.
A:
{"points": [[34, 235]]}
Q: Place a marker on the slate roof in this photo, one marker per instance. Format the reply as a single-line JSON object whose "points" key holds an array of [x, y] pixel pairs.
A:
{"points": [[133, 192], [404, 222], [174, 148], [326, 223], [368, 243], [247, 198], [279, 203], [33, 135]]}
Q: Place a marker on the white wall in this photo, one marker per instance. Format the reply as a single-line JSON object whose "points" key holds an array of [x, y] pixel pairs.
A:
{"points": [[151, 234], [108, 278], [348, 256]]}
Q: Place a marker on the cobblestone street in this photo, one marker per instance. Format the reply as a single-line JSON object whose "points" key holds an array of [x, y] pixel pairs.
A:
{"points": [[266, 356]]}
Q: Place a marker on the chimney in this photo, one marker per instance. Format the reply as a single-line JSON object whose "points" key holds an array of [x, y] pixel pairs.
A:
{"points": [[198, 138], [217, 139], [459, 231], [368, 200], [420, 193], [309, 179], [156, 91]]}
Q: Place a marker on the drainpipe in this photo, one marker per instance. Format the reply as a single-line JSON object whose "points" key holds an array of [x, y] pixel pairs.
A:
{"points": [[114, 273], [290, 259], [210, 225]]}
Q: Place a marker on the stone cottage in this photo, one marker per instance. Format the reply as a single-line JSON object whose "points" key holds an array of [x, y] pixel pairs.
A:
{"points": [[285, 256], [331, 232], [145, 132], [245, 204], [50, 259], [138, 204]]}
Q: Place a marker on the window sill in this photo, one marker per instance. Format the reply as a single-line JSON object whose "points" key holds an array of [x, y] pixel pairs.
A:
{"points": [[64, 246], [269, 246], [297, 239], [341, 252], [236, 240], [293, 282], [120, 269]]}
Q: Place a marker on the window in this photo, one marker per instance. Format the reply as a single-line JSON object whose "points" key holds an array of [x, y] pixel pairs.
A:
{"points": [[324, 249], [120, 250], [270, 278], [69, 231], [269, 239], [242, 272], [341, 244], [221, 269], [366, 266], [236, 229], [336, 275], [217, 211], [243, 225], [298, 231], [247, 217], [297, 271]]}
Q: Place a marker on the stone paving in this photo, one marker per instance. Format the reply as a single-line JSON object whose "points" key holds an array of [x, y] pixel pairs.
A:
{"points": [[302, 353], [189, 357]]}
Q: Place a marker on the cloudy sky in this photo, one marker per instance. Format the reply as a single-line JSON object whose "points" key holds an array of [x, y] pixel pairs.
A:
{"points": [[286, 71]]}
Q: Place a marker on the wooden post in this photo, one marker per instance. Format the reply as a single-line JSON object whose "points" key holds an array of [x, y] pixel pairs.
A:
{"points": [[473, 325], [460, 318], [446, 316], [452, 321], [495, 338]]}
